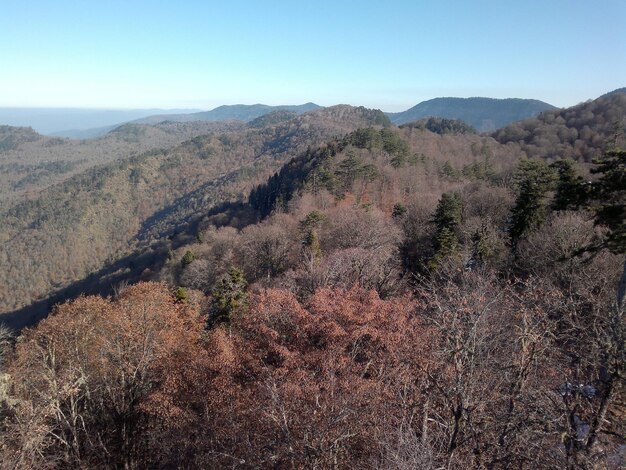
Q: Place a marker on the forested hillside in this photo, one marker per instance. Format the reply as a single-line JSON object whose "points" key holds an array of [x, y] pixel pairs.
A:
{"points": [[338, 293], [30, 162], [100, 215], [580, 133]]}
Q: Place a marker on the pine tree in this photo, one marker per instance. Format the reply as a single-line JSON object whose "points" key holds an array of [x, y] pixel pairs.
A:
{"points": [[312, 244], [534, 179], [187, 258], [570, 189], [229, 297], [447, 219], [399, 210], [608, 201], [448, 212], [446, 246]]}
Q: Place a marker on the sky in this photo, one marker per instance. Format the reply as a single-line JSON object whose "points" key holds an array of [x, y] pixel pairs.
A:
{"points": [[389, 55]]}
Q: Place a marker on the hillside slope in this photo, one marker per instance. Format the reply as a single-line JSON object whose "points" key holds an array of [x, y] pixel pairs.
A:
{"points": [[56, 121], [30, 162], [580, 133], [100, 215]]}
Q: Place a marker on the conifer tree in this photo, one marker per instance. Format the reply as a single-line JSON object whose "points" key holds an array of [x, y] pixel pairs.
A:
{"points": [[448, 212], [447, 219], [229, 297], [608, 201], [570, 189], [534, 179], [187, 258]]}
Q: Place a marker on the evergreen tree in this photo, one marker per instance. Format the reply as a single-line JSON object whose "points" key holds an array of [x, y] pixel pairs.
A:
{"points": [[229, 297], [448, 213], [446, 246], [447, 219], [399, 210], [570, 189], [310, 239], [608, 201], [181, 295], [534, 179], [187, 258], [608, 197], [312, 244]]}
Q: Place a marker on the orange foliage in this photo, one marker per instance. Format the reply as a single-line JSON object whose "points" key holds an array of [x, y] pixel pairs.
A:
{"points": [[316, 386]]}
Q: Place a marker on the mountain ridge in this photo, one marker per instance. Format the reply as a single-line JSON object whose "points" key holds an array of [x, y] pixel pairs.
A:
{"points": [[239, 112]]}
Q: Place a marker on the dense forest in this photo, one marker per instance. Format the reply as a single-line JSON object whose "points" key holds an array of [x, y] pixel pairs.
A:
{"points": [[336, 292]]}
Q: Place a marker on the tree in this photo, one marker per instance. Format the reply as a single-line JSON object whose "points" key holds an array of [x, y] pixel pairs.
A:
{"points": [[448, 212], [229, 297], [534, 178], [447, 219], [187, 258], [608, 199], [570, 189], [83, 379], [399, 210]]}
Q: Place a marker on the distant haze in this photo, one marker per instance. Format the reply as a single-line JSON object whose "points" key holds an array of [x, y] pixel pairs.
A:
{"points": [[53, 120]]}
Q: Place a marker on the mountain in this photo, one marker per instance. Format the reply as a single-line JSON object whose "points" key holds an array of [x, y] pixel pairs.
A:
{"points": [[615, 92], [57, 121], [484, 114], [238, 112]]}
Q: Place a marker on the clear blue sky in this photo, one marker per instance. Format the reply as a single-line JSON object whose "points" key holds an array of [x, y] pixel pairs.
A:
{"points": [[383, 54]]}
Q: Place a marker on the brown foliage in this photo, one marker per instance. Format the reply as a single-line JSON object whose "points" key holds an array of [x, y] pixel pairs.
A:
{"points": [[296, 387], [82, 378]]}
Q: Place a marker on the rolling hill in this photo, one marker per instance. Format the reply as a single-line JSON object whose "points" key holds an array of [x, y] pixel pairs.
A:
{"points": [[57, 121], [484, 114], [581, 132], [98, 214], [31, 162]]}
